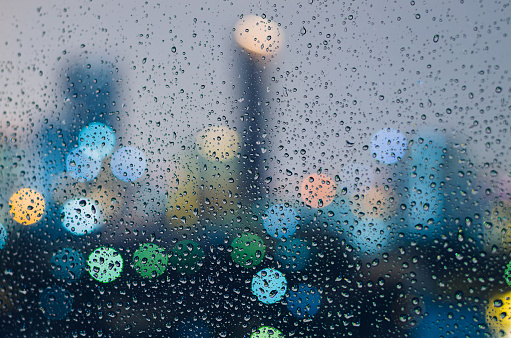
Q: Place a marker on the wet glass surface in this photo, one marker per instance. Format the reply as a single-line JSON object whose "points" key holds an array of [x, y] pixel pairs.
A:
{"points": [[255, 169]]}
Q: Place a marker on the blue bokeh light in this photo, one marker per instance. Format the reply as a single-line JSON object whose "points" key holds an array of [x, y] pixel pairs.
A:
{"points": [[68, 265], [304, 302], [128, 164], [388, 145], [280, 221], [82, 167], [269, 285], [81, 216], [56, 302], [97, 140]]}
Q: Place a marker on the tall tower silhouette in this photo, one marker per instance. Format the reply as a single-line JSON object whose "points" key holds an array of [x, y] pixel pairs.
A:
{"points": [[260, 40]]}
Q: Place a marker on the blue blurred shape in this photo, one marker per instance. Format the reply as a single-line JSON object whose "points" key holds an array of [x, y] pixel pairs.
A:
{"points": [[97, 140], [280, 221], [293, 254], [426, 174], [269, 285], [67, 265], [304, 302], [194, 329], [3, 236], [87, 93], [444, 321], [368, 236], [81, 216], [82, 167], [388, 145], [56, 302], [128, 164]]}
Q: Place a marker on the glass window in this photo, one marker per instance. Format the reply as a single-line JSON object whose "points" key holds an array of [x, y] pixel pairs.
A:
{"points": [[255, 169]]}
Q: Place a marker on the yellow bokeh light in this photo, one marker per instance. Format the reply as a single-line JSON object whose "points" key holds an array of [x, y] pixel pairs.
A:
{"points": [[497, 228], [218, 143], [183, 195], [498, 313], [501, 214], [318, 190], [258, 35], [27, 206]]}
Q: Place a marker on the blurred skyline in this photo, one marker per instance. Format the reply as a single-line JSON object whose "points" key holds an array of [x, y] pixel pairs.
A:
{"points": [[379, 132]]}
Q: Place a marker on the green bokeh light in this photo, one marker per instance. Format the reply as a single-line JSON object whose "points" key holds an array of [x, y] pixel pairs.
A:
{"points": [[267, 332], [248, 250], [150, 260], [507, 274], [186, 257], [105, 264]]}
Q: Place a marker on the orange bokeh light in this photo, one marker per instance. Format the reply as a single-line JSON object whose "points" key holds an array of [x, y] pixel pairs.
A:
{"points": [[27, 206], [258, 35], [318, 190], [374, 203]]}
